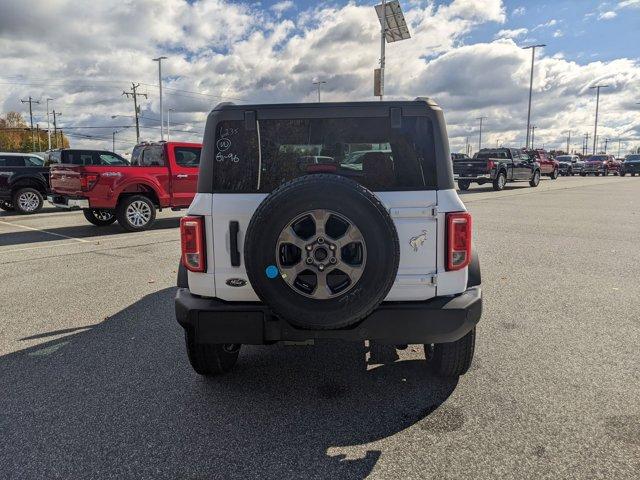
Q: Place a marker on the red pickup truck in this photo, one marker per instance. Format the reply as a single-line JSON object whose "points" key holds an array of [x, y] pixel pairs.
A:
{"points": [[548, 165], [108, 188]]}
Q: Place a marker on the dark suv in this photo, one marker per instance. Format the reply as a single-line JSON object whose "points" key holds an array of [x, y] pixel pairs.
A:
{"points": [[337, 220]]}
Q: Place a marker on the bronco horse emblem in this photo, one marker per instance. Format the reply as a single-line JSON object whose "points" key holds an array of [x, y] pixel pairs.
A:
{"points": [[417, 241]]}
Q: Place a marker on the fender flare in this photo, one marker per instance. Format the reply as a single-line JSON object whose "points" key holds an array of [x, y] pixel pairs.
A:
{"points": [[153, 186]]}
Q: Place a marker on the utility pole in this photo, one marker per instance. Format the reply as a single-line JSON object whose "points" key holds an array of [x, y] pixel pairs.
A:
{"points": [[159, 60], [383, 40], [169, 121], [48, 125], [38, 135], [569, 142], [586, 143], [606, 142], [619, 145], [533, 136], [480, 136], [595, 130], [55, 126], [467, 146], [30, 101], [134, 93], [533, 57], [318, 83]]}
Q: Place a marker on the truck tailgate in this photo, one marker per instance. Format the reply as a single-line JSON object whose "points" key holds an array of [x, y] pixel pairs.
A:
{"points": [[471, 168], [65, 179]]}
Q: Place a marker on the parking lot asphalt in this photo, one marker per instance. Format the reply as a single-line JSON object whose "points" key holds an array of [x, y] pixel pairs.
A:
{"points": [[94, 380]]}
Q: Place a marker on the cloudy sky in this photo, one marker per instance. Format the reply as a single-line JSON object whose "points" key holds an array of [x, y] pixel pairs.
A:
{"points": [[463, 53]]}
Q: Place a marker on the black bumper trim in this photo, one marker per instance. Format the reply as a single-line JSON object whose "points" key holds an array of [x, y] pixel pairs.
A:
{"points": [[439, 320]]}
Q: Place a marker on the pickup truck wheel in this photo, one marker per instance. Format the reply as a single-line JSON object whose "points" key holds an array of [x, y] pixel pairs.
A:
{"points": [[535, 180], [451, 359], [622, 174], [554, 174], [321, 251], [6, 206], [136, 213], [463, 185], [500, 181], [210, 359], [100, 218], [28, 200]]}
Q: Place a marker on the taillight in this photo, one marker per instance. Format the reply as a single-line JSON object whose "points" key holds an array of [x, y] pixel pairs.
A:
{"points": [[490, 165], [88, 181], [193, 244], [458, 240]]}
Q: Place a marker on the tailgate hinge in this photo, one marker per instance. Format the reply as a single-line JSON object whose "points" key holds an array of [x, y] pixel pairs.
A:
{"points": [[433, 279]]}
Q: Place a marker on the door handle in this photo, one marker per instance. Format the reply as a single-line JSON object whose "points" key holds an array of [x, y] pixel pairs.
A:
{"points": [[234, 228], [182, 175]]}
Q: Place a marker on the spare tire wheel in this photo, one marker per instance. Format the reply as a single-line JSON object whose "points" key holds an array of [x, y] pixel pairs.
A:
{"points": [[321, 251]]}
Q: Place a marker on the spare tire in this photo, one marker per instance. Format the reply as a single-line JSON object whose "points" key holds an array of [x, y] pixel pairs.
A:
{"points": [[321, 251]]}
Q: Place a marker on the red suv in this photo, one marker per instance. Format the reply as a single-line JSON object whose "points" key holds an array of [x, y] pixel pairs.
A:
{"points": [[108, 188], [549, 166], [602, 164]]}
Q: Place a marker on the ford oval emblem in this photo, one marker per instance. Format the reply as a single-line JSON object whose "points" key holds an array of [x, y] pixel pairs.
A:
{"points": [[236, 282]]}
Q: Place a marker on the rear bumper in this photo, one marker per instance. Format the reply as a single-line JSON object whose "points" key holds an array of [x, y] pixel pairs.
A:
{"points": [[481, 178], [62, 201], [439, 320]]}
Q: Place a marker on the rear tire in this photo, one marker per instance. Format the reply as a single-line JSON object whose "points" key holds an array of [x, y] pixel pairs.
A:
{"points": [[451, 359], [464, 185], [622, 174], [583, 174], [6, 206], [28, 200], [499, 182], [100, 218], [554, 174], [535, 180], [136, 213], [210, 359]]}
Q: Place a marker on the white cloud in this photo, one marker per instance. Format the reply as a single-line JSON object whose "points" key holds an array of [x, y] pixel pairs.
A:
{"points": [[519, 11], [558, 34], [283, 6], [629, 4], [513, 33], [237, 52], [607, 15]]}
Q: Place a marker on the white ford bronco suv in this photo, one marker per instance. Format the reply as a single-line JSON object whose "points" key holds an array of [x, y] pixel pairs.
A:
{"points": [[327, 220]]}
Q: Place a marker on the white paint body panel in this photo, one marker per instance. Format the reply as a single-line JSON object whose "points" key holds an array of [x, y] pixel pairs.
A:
{"points": [[421, 261]]}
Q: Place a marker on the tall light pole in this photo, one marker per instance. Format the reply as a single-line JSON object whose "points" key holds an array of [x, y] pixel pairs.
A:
{"points": [[169, 121], [318, 83], [55, 126], [393, 28], [595, 128], [159, 60], [568, 142], [48, 125], [114, 140], [533, 57], [533, 136], [480, 136]]}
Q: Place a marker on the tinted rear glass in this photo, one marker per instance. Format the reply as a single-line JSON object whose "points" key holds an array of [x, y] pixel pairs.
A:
{"points": [[12, 161], [366, 150], [492, 154], [187, 156]]}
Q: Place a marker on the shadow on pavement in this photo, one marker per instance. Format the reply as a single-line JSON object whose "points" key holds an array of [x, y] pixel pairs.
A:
{"points": [[76, 231], [120, 401]]}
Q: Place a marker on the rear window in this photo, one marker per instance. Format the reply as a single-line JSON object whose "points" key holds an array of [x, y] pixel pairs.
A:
{"points": [[187, 156], [148, 156], [366, 150], [12, 161], [484, 154]]}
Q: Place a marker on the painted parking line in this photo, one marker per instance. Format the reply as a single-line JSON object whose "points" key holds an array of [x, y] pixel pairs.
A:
{"points": [[44, 231]]}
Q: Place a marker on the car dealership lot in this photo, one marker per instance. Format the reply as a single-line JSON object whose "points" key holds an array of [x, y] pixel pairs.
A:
{"points": [[95, 382]]}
